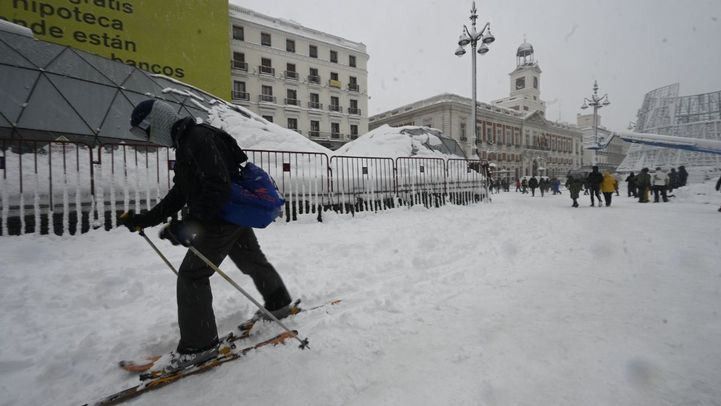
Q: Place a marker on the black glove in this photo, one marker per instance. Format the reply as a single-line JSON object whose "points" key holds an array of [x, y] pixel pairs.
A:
{"points": [[180, 232], [134, 222]]}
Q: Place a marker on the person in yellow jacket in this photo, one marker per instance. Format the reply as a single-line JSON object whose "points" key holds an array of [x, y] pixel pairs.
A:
{"points": [[608, 186]]}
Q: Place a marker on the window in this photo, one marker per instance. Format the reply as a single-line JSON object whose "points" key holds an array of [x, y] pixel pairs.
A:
{"points": [[520, 83], [314, 128], [291, 97], [333, 76], [353, 109], [290, 72], [266, 66], [265, 39], [353, 131], [313, 77], [334, 56], [335, 130], [290, 45], [267, 94], [312, 51], [239, 61], [525, 108], [314, 102], [489, 135], [268, 118], [463, 131], [239, 92], [535, 82], [292, 123], [334, 80], [351, 61], [238, 33], [353, 83], [334, 103]]}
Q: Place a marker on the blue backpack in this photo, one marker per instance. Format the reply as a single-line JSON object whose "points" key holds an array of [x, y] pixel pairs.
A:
{"points": [[254, 199]]}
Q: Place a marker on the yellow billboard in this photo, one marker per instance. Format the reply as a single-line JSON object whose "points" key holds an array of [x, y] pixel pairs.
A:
{"points": [[183, 39]]}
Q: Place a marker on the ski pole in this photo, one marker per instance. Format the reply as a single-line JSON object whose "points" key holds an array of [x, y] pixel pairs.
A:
{"points": [[172, 268], [303, 342]]}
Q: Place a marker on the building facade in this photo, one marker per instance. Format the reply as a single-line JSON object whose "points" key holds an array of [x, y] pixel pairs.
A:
{"points": [[519, 142], [299, 78]]}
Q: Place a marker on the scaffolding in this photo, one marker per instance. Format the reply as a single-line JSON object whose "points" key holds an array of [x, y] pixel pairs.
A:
{"points": [[665, 112]]}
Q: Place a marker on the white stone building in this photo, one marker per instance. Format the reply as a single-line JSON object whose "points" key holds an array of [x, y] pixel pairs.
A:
{"points": [[519, 141], [299, 78], [609, 157]]}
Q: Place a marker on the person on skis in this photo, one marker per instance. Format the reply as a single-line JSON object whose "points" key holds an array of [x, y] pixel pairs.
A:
{"points": [[206, 160]]}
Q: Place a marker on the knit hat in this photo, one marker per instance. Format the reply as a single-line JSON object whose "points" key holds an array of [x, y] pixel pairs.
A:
{"points": [[156, 118]]}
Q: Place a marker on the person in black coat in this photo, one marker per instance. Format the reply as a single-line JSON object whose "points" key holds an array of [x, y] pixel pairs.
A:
{"points": [[594, 184], [533, 184], [631, 185], [206, 159], [682, 176], [718, 187]]}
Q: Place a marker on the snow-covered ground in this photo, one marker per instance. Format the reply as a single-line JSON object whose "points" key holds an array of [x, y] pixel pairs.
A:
{"points": [[524, 301]]}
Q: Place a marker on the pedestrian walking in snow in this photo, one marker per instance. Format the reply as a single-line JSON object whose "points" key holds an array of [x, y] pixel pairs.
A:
{"points": [[682, 176], [672, 180], [533, 184], [660, 181], [524, 186], [207, 159], [631, 185], [574, 188], [608, 186], [643, 181], [718, 188], [518, 184], [594, 185], [615, 186]]}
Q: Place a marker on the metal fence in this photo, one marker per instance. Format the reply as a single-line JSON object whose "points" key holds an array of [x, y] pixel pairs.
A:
{"points": [[68, 188]]}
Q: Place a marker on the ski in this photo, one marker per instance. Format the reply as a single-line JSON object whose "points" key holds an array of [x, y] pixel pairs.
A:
{"points": [[246, 330], [227, 354]]}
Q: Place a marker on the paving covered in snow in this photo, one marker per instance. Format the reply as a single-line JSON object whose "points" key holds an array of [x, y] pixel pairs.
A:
{"points": [[524, 301]]}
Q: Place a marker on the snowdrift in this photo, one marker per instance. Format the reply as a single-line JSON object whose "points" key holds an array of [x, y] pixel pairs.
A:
{"points": [[406, 141]]}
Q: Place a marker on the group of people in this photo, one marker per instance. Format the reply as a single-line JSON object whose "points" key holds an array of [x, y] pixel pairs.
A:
{"points": [[594, 184], [543, 185], [660, 183]]}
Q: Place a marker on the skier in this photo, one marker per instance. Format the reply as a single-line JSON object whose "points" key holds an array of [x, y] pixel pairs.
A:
{"points": [[631, 181], [533, 184], [594, 184], [574, 187], [205, 160]]}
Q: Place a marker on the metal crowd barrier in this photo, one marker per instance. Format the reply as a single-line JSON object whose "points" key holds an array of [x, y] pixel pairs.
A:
{"points": [[69, 188]]}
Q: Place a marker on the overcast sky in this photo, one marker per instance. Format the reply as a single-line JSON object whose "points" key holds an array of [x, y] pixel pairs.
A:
{"points": [[629, 46]]}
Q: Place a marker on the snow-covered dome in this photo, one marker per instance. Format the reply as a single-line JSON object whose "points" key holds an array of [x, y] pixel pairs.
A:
{"points": [[524, 50]]}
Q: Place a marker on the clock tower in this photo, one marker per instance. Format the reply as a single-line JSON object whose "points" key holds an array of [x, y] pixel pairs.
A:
{"points": [[525, 83]]}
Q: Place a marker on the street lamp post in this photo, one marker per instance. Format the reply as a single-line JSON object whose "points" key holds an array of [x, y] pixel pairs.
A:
{"points": [[472, 37], [596, 102]]}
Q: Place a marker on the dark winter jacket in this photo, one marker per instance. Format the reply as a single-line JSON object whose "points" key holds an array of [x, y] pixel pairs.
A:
{"points": [[631, 179], [643, 180], [206, 158], [594, 179], [533, 183], [718, 184], [682, 176], [574, 186]]}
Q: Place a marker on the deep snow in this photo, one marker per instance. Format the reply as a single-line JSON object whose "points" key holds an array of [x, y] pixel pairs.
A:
{"points": [[524, 301]]}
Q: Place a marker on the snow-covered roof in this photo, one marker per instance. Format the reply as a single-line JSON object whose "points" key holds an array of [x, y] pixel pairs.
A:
{"points": [[405, 141]]}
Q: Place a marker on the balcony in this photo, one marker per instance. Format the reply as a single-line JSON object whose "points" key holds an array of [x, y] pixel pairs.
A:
{"points": [[315, 105], [292, 102], [354, 137], [239, 65], [314, 133], [267, 98], [241, 96], [314, 79], [291, 75], [335, 136], [354, 110], [334, 83], [353, 87], [266, 70], [335, 107], [478, 141], [464, 139]]}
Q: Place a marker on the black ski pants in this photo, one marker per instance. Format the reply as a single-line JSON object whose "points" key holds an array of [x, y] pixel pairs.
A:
{"points": [[196, 319], [657, 190], [607, 196]]}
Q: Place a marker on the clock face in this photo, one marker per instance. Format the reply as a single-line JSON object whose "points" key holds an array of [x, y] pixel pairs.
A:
{"points": [[520, 83]]}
